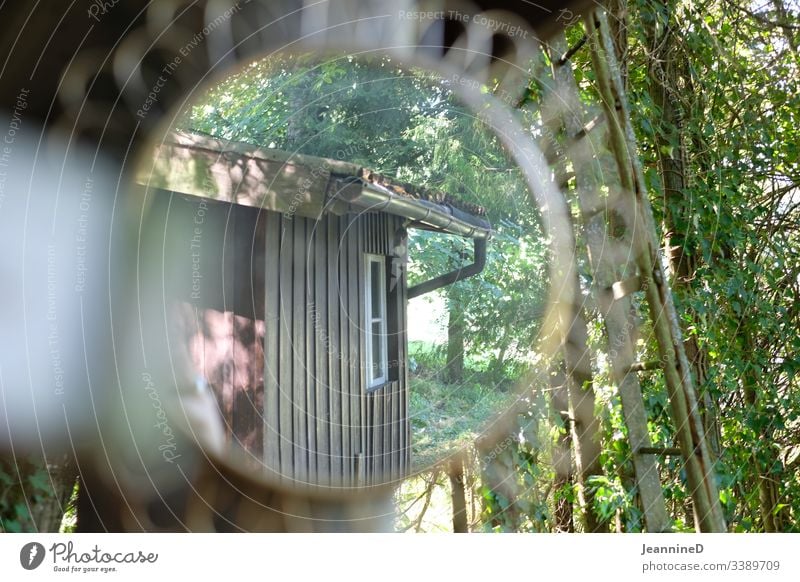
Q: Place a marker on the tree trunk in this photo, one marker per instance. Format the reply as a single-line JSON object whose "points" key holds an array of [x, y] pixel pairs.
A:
{"points": [[496, 456], [585, 423], [618, 314], [765, 458], [576, 358], [666, 324], [562, 459], [668, 81], [455, 470], [455, 342], [618, 24]]}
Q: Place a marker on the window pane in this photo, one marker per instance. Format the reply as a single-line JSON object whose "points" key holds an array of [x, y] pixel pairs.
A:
{"points": [[377, 358], [375, 288]]}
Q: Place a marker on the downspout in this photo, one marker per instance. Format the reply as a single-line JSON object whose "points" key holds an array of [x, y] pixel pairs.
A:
{"points": [[374, 197], [479, 262]]}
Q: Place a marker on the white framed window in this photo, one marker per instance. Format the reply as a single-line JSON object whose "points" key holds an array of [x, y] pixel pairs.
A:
{"points": [[377, 351]]}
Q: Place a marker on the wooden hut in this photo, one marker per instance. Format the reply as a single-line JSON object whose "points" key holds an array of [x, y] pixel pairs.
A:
{"points": [[291, 274]]}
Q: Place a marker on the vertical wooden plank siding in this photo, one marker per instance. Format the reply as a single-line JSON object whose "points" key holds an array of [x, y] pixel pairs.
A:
{"points": [[394, 449], [281, 338], [272, 322], [284, 345], [380, 430], [368, 451], [374, 430], [205, 233], [344, 346], [257, 296], [404, 384], [384, 234], [334, 361], [298, 349], [362, 377], [405, 422], [310, 352], [355, 361], [224, 347], [323, 352], [387, 431], [248, 327]]}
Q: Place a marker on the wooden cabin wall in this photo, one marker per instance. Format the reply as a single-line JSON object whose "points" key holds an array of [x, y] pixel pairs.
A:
{"points": [[214, 298], [386, 443], [341, 434], [279, 333]]}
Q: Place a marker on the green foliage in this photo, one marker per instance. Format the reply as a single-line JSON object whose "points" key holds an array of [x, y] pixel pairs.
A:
{"points": [[611, 498], [751, 266], [24, 485], [516, 477], [69, 522], [409, 125], [445, 417], [358, 110], [724, 101], [731, 84]]}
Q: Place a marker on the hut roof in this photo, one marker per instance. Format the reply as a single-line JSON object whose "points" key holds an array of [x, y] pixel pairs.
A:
{"points": [[298, 184]]}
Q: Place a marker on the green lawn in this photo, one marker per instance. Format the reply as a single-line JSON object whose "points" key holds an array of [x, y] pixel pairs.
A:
{"points": [[448, 416]]}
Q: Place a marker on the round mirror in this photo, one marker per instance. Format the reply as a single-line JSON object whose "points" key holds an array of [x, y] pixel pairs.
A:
{"points": [[346, 274]]}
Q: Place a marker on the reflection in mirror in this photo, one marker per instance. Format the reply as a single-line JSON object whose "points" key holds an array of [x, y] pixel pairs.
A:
{"points": [[351, 277]]}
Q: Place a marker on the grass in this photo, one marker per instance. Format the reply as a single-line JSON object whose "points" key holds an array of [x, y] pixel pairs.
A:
{"points": [[446, 417]]}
